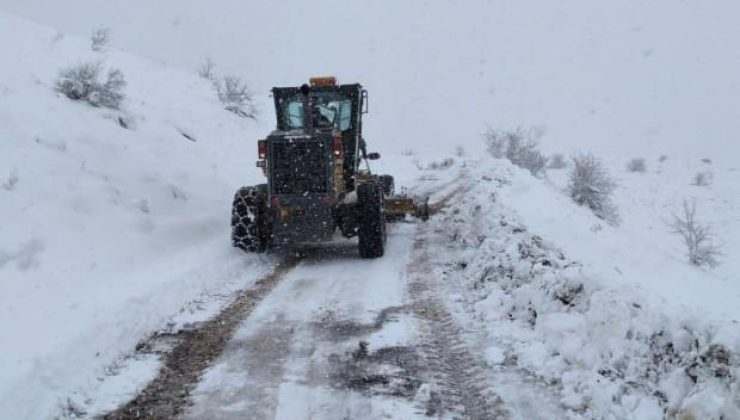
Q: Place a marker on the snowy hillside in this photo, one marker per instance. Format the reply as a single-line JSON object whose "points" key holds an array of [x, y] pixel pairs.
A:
{"points": [[106, 230], [642, 250]]}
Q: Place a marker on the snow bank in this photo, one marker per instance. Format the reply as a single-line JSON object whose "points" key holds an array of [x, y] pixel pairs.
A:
{"points": [[610, 349], [107, 230]]}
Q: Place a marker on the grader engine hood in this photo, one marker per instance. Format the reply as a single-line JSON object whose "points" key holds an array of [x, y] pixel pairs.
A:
{"points": [[299, 165], [300, 173]]}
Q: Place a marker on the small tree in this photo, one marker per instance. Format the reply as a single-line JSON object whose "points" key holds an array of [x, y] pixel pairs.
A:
{"points": [[82, 82], [636, 165], [557, 161], [99, 39], [519, 146], [697, 237], [236, 98], [590, 185]]}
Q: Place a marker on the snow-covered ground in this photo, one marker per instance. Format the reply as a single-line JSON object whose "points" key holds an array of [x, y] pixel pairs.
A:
{"points": [[106, 231], [112, 233]]}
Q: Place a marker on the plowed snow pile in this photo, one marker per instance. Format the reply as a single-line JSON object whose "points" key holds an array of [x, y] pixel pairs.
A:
{"points": [[105, 230], [607, 348]]}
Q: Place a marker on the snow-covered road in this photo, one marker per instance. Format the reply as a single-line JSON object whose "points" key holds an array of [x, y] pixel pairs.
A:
{"points": [[337, 337], [470, 315], [292, 357]]}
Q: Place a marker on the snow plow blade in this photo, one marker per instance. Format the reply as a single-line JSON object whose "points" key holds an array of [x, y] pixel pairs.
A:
{"points": [[397, 208]]}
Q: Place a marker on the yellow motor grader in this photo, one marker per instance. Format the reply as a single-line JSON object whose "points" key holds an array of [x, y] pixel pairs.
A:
{"points": [[315, 184]]}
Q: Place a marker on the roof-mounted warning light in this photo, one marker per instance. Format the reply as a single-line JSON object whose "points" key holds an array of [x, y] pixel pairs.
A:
{"points": [[323, 81]]}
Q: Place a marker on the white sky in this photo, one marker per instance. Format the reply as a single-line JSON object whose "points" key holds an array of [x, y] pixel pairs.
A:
{"points": [[640, 77]]}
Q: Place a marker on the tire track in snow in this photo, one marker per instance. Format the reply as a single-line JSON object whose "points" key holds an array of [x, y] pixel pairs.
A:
{"points": [[458, 374], [257, 364], [455, 371], [192, 351]]}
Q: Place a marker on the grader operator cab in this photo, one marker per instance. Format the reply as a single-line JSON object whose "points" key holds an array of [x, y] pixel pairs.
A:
{"points": [[315, 184]]}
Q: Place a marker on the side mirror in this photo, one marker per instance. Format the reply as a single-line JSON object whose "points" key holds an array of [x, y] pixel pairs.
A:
{"points": [[373, 156]]}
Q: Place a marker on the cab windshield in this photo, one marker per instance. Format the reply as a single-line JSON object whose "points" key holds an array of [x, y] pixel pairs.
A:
{"points": [[327, 109]]}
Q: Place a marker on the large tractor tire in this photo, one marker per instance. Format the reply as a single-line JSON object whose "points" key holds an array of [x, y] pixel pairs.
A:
{"points": [[388, 184], [372, 223], [249, 224]]}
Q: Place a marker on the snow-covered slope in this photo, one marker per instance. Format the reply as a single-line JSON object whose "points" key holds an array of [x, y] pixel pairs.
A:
{"points": [[102, 226]]}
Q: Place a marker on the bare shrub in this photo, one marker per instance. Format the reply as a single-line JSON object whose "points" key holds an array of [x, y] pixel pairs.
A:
{"points": [[408, 152], [590, 185], [206, 70], [662, 158], [231, 90], [519, 146], [441, 165], [706, 160], [10, 183], [235, 97], [99, 39], [557, 161], [637, 165], [83, 82], [459, 151], [702, 179], [698, 237]]}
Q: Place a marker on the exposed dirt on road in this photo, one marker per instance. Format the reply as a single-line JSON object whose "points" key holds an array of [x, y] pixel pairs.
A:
{"points": [[188, 353], [393, 371]]}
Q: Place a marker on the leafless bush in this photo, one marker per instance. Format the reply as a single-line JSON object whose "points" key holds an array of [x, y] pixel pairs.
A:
{"points": [[662, 158], [636, 165], [231, 90], [235, 97], [99, 39], [82, 82], [519, 146], [702, 179], [698, 237], [12, 180], [706, 160], [206, 70], [590, 185], [408, 152], [557, 161], [459, 151], [441, 165]]}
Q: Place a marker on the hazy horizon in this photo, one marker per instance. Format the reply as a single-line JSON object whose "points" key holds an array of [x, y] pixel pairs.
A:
{"points": [[607, 77]]}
